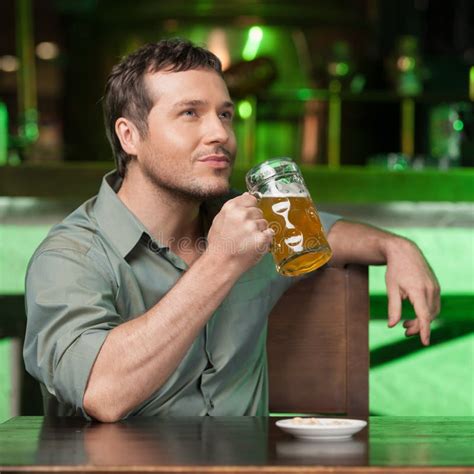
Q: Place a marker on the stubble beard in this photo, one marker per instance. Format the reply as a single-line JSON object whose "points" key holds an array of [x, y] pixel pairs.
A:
{"points": [[192, 190]]}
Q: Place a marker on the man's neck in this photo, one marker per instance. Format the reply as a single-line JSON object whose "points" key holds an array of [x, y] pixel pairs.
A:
{"points": [[167, 216]]}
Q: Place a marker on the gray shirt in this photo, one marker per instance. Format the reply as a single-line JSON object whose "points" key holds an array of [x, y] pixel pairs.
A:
{"points": [[99, 268]]}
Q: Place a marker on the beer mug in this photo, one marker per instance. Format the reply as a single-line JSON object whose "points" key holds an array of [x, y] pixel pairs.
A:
{"points": [[299, 245]]}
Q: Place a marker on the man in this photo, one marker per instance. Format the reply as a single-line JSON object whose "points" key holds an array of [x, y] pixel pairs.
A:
{"points": [[152, 298]]}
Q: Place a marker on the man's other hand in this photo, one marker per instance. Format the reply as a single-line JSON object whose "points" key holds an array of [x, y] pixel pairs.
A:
{"points": [[408, 273], [409, 276]]}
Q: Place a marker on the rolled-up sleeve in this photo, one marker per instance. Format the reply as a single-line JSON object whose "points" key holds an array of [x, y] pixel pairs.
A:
{"points": [[70, 311], [328, 220]]}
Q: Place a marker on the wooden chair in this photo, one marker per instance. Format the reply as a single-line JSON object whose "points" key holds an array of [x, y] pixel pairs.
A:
{"points": [[317, 346]]}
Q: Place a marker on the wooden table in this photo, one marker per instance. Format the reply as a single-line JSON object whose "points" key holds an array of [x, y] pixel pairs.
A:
{"points": [[233, 445]]}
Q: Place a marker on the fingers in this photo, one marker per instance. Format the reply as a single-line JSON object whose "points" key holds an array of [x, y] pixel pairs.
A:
{"points": [[239, 234], [253, 213], [412, 327], [247, 200], [394, 306], [420, 325], [248, 205], [269, 234], [423, 315], [264, 240], [425, 310], [409, 276], [433, 292], [262, 225]]}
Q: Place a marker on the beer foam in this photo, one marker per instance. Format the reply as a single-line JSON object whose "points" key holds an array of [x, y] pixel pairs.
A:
{"points": [[279, 189], [283, 195]]}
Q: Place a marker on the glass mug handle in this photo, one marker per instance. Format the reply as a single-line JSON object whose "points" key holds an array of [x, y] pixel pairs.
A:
{"points": [[256, 195]]}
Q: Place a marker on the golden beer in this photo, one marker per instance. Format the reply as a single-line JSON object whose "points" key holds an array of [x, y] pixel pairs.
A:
{"points": [[299, 245]]}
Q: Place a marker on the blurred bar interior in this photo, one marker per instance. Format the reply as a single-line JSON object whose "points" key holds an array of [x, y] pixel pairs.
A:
{"points": [[373, 97]]}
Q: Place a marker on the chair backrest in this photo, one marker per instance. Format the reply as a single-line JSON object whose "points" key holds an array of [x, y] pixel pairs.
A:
{"points": [[317, 345]]}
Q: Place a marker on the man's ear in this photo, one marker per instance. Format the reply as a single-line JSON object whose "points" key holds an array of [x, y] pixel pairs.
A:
{"points": [[128, 135]]}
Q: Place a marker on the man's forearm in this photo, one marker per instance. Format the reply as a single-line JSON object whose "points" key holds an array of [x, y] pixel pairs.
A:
{"points": [[353, 242], [138, 356]]}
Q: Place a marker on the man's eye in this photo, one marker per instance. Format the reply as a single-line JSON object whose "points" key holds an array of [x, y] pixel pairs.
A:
{"points": [[189, 113], [227, 115]]}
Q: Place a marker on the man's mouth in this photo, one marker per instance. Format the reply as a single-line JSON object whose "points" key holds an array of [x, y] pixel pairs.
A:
{"points": [[215, 160]]}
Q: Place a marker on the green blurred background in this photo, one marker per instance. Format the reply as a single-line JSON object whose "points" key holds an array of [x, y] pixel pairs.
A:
{"points": [[373, 98]]}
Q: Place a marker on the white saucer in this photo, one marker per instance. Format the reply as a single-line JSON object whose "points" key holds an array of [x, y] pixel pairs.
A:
{"points": [[323, 429]]}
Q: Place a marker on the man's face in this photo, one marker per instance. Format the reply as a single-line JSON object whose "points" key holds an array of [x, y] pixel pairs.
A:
{"points": [[190, 145]]}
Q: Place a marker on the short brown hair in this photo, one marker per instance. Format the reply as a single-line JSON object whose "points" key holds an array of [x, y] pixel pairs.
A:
{"points": [[125, 92]]}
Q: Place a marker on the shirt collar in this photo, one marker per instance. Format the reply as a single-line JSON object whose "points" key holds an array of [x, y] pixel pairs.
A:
{"points": [[121, 226]]}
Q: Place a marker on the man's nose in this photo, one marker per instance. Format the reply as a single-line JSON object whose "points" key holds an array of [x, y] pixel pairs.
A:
{"points": [[216, 130]]}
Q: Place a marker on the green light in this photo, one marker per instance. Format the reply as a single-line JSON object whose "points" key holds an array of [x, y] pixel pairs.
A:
{"points": [[458, 125], [31, 131], [3, 134], [253, 43], [471, 83], [406, 63], [304, 94], [245, 109], [342, 69], [30, 128], [255, 33], [357, 83], [398, 167]]}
